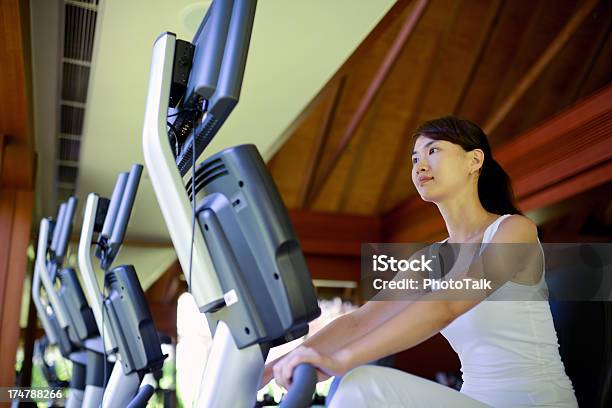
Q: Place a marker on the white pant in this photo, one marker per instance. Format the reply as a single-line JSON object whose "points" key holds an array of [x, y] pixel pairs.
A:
{"points": [[376, 387]]}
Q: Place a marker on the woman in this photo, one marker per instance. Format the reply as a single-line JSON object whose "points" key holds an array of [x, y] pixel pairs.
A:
{"points": [[508, 349]]}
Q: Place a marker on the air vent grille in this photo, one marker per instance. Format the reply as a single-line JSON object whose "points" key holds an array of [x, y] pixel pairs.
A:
{"points": [[71, 120], [205, 174], [67, 174], [79, 28], [74, 82], [69, 149], [110, 278]]}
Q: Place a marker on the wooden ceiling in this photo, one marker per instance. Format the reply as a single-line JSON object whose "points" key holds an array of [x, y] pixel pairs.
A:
{"points": [[507, 65]]}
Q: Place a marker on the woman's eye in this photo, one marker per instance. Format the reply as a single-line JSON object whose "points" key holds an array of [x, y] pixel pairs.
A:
{"points": [[432, 150]]}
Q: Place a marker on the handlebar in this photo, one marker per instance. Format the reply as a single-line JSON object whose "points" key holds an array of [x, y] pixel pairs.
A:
{"points": [[65, 229], [302, 388], [57, 227], [113, 208], [123, 216], [142, 397]]}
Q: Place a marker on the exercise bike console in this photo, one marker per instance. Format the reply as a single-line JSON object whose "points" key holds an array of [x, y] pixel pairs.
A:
{"points": [[241, 259]]}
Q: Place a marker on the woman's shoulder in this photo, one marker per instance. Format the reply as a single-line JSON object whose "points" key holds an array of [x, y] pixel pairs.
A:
{"points": [[516, 228]]}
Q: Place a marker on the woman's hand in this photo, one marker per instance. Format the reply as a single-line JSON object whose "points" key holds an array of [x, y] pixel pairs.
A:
{"points": [[326, 365]]}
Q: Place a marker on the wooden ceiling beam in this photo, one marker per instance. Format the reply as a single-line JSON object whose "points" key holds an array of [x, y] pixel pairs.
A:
{"points": [[538, 67], [574, 118], [320, 143], [373, 89], [334, 234], [359, 149], [441, 100], [165, 289], [589, 179], [569, 154], [482, 47], [396, 10], [594, 53], [495, 72], [342, 268], [398, 157], [601, 67], [555, 88]]}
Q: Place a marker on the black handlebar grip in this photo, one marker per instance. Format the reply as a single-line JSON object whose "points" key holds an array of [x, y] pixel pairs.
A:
{"points": [[66, 228], [113, 207], [142, 397], [123, 215], [125, 210], [58, 227], [302, 387]]}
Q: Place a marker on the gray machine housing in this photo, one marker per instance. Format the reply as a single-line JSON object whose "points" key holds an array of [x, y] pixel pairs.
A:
{"points": [[214, 74], [132, 328], [72, 296], [250, 238]]}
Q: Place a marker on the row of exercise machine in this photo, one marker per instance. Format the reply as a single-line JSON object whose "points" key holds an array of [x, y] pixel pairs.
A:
{"points": [[231, 232], [112, 343]]}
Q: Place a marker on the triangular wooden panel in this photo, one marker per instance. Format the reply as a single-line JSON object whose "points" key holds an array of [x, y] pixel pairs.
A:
{"points": [[465, 58]]}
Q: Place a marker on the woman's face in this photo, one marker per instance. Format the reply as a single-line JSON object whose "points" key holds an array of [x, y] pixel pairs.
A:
{"points": [[439, 168]]}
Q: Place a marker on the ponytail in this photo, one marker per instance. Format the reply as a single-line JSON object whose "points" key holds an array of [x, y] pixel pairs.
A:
{"points": [[495, 189]]}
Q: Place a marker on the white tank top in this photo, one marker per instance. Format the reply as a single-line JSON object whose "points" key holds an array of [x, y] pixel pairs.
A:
{"points": [[508, 349]]}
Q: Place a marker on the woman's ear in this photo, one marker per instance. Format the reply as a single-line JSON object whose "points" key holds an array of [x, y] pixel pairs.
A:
{"points": [[476, 160]]}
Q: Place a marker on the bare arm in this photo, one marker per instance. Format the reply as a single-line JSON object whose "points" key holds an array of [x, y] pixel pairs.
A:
{"points": [[345, 329], [421, 320], [366, 318], [409, 326], [349, 327]]}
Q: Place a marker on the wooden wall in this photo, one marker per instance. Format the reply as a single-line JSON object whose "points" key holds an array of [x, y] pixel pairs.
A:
{"points": [[16, 176]]}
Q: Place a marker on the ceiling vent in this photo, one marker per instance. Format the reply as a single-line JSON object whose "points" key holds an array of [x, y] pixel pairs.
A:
{"points": [[79, 29]]}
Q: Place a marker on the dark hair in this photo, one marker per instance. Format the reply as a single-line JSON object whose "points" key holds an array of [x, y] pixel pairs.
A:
{"points": [[494, 187]]}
